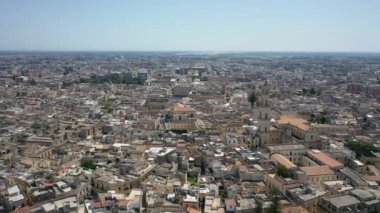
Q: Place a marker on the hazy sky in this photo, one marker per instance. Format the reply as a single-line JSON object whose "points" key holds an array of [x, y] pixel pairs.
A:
{"points": [[200, 25]]}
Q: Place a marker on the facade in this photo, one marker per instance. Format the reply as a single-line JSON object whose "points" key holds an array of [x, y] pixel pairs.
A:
{"points": [[340, 204], [181, 117], [293, 152], [280, 183], [316, 174], [142, 75], [266, 133], [181, 90], [298, 129]]}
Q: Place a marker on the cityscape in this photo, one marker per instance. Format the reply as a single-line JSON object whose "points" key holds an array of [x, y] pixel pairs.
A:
{"points": [[176, 130]]}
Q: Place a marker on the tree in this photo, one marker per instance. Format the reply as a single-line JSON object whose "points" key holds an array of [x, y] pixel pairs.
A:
{"points": [[313, 91], [193, 180], [252, 99], [274, 195], [87, 163], [259, 207], [223, 194], [304, 91], [32, 82], [282, 171], [319, 119], [361, 148], [322, 120]]}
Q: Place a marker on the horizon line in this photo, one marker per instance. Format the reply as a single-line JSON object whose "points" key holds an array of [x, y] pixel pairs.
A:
{"points": [[186, 51]]}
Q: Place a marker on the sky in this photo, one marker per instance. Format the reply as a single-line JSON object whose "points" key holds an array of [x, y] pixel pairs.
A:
{"points": [[190, 25]]}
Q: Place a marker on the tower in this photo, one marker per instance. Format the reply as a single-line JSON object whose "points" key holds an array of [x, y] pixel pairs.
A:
{"points": [[263, 116]]}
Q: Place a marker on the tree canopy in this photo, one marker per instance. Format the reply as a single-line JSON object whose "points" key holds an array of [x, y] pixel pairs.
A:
{"points": [[282, 171], [310, 92], [361, 148], [87, 163], [252, 98], [319, 119]]}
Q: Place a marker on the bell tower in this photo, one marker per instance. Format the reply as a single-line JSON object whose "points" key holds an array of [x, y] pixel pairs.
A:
{"points": [[263, 110]]}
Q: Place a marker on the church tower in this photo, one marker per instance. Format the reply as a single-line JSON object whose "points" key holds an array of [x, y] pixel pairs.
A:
{"points": [[266, 134], [263, 114]]}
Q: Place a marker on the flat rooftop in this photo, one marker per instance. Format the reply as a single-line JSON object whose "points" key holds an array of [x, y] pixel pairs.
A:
{"points": [[295, 121], [285, 147], [345, 200]]}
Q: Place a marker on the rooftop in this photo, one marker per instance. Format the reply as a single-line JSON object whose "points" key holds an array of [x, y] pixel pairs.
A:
{"points": [[283, 161], [344, 200], [363, 195], [295, 121], [324, 158], [285, 147], [317, 170], [182, 108]]}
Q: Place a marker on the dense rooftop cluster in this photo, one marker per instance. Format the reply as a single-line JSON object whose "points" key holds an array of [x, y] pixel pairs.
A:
{"points": [[189, 133]]}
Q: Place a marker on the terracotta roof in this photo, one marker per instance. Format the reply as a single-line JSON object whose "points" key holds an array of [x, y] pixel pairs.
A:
{"points": [[230, 202], [22, 210], [283, 161], [182, 108], [192, 210], [324, 158], [69, 164], [317, 170]]}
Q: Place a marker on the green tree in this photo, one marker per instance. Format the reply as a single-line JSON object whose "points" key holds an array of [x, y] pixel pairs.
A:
{"points": [[193, 180], [323, 120], [87, 163], [361, 148], [252, 99], [259, 207], [282, 171], [223, 195], [320, 119]]}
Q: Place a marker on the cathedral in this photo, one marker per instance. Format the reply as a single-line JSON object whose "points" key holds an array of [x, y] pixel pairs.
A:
{"points": [[285, 129]]}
